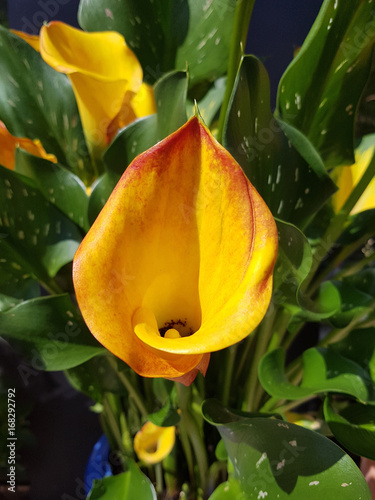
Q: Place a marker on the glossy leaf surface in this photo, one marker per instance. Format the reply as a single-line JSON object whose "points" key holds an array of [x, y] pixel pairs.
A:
{"points": [[129, 485], [49, 333], [324, 370], [353, 427], [167, 36], [30, 85], [292, 182], [320, 90], [274, 459]]}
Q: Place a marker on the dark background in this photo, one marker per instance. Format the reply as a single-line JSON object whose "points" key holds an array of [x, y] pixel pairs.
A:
{"points": [[59, 427]]}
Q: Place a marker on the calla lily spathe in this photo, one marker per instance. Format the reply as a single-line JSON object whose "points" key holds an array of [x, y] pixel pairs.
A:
{"points": [[179, 262], [153, 443], [106, 78], [348, 177], [9, 143]]}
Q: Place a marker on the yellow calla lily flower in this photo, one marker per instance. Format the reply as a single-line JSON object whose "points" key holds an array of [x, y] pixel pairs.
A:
{"points": [[153, 443], [179, 262], [346, 178], [106, 78], [9, 143]]}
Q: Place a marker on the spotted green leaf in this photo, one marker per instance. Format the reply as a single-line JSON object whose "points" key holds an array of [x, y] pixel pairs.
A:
{"points": [[167, 35], [37, 102], [17, 277], [274, 459], [49, 333], [229, 490], [291, 180], [320, 90], [7, 302], [58, 185], [39, 235]]}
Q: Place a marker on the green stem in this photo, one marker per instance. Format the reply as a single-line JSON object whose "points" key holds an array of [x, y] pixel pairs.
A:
{"points": [[278, 329], [159, 479], [336, 262], [189, 424], [109, 414], [337, 334], [355, 267], [249, 344], [263, 334], [244, 9], [292, 404], [229, 367], [133, 393]]}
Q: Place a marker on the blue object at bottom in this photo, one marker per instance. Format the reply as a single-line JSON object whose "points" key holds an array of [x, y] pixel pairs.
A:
{"points": [[98, 465]]}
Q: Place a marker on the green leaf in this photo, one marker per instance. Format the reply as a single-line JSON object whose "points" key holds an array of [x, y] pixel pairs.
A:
{"points": [[353, 427], [291, 180], [320, 90], [230, 490], [361, 227], [7, 302], [59, 186], [95, 377], [324, 370], [274, 459], [167, 416], [101, 191], [49, 333], [35, 231], [170, 97], [37, 102], [354, 302], [129, 143], [209, 105], [168, 35], [129, 485], [359, 346], [325, 305], [293, 264], [17, 277]]}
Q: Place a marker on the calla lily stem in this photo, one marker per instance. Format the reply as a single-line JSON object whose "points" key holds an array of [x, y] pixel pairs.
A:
{"points": [[130, 388], [263, 336], [189, 424]]}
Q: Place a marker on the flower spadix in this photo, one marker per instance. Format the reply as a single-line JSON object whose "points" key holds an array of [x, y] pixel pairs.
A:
{"points": [[106, 77], [179, 262], [9, 143]]}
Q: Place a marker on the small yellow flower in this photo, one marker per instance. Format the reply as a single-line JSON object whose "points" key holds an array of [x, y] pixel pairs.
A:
{"points": [[105, 74], [9, 143], [179, 262], [153, 443], [346, 178]]}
